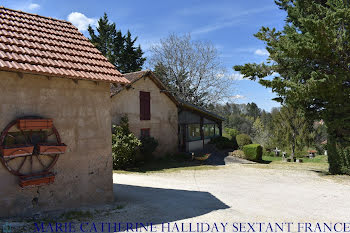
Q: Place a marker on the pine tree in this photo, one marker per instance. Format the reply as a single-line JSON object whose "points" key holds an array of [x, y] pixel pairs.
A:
{"points": [[290, 129], [131, 58], [119, 49], [311, 56]]}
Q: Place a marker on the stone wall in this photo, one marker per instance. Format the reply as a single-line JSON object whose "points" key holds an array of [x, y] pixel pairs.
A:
{"points": [[164, 114], [81, 114]]}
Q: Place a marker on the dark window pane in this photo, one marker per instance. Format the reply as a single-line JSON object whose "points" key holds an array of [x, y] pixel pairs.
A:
{"points": [[194, 132]]}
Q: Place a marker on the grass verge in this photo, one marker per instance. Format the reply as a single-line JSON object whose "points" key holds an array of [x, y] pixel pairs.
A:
{"points": [[318, 164]]}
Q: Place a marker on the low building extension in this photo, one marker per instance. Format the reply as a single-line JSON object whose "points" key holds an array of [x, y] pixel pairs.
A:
{"points": [[196, 127]]}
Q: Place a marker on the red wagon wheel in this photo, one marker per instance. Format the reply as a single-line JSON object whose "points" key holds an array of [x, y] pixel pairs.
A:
{"points": [[26, 154]]}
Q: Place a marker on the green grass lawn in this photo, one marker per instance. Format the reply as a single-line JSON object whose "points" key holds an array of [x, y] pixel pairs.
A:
{"points": [[317, 159], [178, 163], [318, 164]]}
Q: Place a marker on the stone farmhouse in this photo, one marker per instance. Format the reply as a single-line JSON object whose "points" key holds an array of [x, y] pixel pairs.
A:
{"points": [[150, 108], [54, 116], [59, 97]]}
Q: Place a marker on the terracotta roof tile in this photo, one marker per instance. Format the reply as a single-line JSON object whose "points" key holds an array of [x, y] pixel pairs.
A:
{"points": [[36, 44]]}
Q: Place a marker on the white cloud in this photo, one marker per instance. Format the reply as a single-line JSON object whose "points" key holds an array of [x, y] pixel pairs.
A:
{"points": [[236, 76], [27, 7], [33, 6], [238, 97], [81, 21], [261, 52]]}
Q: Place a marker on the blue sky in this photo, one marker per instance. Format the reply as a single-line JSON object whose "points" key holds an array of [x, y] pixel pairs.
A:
{"points": [[228, 24]]}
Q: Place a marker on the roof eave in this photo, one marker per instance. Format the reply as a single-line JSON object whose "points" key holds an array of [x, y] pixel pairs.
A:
{"points": [[61, 76], [209, 114]]}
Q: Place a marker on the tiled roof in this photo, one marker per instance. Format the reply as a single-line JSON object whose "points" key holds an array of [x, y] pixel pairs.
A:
{"points": [[135, 76], [131, 77], [35, 44]]}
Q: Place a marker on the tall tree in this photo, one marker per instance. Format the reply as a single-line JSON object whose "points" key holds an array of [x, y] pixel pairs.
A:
{"points": [[291, 129], [311, 56], [253, 110], [131, 58], [191, 69], [119, 49]]}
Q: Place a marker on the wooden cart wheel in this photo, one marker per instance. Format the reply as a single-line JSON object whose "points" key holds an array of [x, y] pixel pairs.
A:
{"points": [[28, 164]]}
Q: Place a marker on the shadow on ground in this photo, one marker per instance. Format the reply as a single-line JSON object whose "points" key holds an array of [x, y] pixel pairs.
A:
{"points": [[158, 205], [184, 160]]}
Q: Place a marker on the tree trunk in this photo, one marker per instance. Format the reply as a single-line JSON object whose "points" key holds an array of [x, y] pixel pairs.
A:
{"points": [[293, 146]]}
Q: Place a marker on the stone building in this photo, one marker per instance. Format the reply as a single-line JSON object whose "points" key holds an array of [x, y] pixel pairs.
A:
{"points": [[52, 79], [150, 108]]}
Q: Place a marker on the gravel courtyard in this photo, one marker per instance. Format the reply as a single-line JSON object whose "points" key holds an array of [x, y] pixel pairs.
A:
{"points": [[233, 193], [216, 199]]}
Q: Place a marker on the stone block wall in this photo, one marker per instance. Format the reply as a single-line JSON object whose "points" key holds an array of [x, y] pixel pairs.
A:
{"points": [[81, 114]]}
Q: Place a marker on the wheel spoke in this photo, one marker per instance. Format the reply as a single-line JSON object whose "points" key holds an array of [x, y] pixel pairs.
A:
{"points": [[20, 166], [25, 138], [37, 156], [31, 163]]}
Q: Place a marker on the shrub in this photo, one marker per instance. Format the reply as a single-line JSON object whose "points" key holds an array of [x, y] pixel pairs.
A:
{"points": [[218, 139], [253, 152], [267, 152], [181, 156], [344, 157], [243, 139], [238, 153], [124, 145], [232, 132], [223, 143], [148, 146]]}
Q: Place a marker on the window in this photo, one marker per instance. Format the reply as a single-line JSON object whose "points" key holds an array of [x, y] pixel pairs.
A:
{"points": [[208, 130], [145, 132], [217, 130], [145, 105], [194, 132]]}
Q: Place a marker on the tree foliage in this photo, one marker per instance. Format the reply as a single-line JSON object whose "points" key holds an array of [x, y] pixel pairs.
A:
{"points": [[124, 145], [119, 49], [148, 146], [291, 130], [311, 58], [241, 117], [191, 69]]}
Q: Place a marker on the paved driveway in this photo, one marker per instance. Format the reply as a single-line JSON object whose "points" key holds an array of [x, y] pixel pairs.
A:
{"points": [[233, 193]]}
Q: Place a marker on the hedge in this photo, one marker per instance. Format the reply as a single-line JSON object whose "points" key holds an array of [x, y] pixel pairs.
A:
{"points": [[224, 143], [243, 139], [253, 152]]}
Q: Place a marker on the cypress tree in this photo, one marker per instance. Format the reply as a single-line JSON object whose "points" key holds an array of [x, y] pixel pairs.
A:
{"points": [[119, 49]]}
